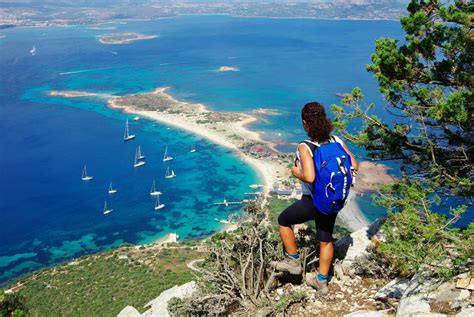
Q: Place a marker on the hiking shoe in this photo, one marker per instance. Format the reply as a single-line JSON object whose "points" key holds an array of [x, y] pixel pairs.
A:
{"points": [[321, 286], [288, 264]]}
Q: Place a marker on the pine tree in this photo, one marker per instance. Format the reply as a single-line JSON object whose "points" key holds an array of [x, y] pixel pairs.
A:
{"points": [[427, 81]]}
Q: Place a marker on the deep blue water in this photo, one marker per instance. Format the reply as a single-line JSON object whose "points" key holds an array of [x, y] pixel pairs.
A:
{"points": [[49, 215]]}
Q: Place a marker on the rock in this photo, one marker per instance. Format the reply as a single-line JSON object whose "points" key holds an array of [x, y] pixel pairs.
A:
{"points": [[414, 299], [368, 313], [352, 247], [394, 289], [129, 311], [159, 306], [464, 295], [280, 292], [466, 312], [465, 283]]}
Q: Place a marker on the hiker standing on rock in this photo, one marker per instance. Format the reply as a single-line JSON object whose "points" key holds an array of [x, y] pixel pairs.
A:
{"points": [[324, 165]]}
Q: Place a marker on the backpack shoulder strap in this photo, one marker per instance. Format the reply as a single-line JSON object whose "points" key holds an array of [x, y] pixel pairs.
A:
{"points": [[310, 145]]}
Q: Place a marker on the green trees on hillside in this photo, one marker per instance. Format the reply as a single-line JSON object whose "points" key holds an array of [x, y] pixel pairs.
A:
{"points": [[427, 81]]}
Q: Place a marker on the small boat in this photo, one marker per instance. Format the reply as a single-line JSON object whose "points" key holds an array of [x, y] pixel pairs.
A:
{"points": [[33, 51], [126, 135], [193, 148], [111, 189], [253, 186], [153, 191], [158, 205], [86, 177], [106, 210], [169, 173], [167, 157], [137, 162], [136, 118], [140, 154]]}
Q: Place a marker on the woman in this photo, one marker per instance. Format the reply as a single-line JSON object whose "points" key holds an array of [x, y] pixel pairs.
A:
{"points": [[318, 127]]}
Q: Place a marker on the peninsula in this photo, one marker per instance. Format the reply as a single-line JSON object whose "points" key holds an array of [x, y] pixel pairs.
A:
{"points": [[124, 38], [229, 129]]}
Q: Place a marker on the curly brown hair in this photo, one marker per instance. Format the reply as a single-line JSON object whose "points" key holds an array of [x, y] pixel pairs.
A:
{"points": [[317, 125]]}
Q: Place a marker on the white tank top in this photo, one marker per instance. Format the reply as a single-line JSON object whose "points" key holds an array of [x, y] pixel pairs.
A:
{"points": [[307, 188]]}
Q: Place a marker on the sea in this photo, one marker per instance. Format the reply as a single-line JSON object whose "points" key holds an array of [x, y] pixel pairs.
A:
{"points": [[49, 215]]}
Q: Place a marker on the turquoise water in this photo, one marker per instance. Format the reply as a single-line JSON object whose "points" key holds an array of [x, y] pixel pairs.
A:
{"points": [[49, 215]]}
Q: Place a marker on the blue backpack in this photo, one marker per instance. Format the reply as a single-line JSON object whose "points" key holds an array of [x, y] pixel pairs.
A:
{"points": [[332, 166]]}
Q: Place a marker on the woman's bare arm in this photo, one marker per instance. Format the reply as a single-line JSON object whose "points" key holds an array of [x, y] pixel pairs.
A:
{"points": [[355, 164], [306, 162]]}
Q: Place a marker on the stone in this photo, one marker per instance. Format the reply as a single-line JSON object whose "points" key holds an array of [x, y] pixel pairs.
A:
{"points": [[368, 313], [463, 282], [159, 306], [355, 246], [464, 295], [280, 292], [394, 289], [129, 311], [414, 299], [466, 312]]}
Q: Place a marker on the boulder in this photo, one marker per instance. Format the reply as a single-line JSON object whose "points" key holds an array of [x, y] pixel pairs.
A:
{"points": [[129, 311], [414, 300], [466, 312], [465, 283], [159, 306], [394, 289], [354, 247], [423, 293]]}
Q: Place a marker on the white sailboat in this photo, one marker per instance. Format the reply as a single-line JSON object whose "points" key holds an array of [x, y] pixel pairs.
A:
{"points": [[167, 157], [106, 210], [137, 162], [33, 51], [86, 177], [169, 173], [153, 191], [158, 205], [193, 148], [140, 154], [126, 135], [111, 189]]}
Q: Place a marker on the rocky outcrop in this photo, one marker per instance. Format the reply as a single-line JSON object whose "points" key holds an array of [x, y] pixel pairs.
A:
{"points": [[354, 248], [129, 311], [159, 306], [431, 297]]}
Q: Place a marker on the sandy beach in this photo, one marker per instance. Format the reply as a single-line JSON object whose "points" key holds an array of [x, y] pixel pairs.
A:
{"points": [[71, 94], [229, 129], [124, 38]]}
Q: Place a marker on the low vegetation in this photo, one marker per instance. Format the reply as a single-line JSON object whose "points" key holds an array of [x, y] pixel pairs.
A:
{"points": [[103, 284]]}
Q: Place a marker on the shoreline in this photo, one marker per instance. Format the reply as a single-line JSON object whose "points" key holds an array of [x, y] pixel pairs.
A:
{"points": [[112, 21], [230, 130], [267, 170]]}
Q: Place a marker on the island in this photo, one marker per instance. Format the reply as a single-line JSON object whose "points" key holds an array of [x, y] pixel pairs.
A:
{"points": [[124, 38], [71, 94], [228, 69]]}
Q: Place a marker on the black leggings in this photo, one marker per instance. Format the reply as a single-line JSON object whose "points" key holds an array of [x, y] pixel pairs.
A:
{"points": [[302, 211]]}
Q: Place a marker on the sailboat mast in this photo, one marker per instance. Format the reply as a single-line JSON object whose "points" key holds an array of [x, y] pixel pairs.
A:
{"points": [[125, 135]]}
